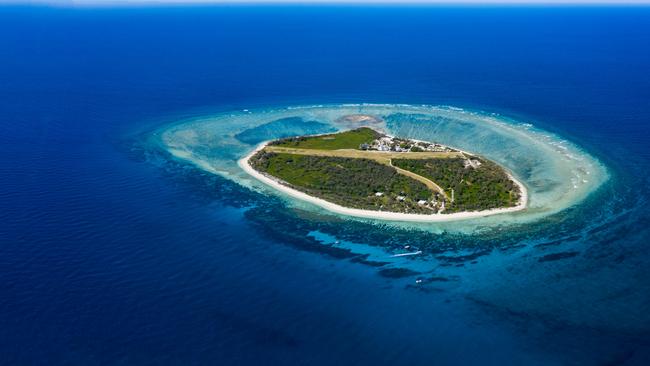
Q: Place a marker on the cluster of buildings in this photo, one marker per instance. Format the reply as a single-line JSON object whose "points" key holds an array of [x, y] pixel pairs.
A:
{"points": [[474, 163], [388, 143], [433, 204]]}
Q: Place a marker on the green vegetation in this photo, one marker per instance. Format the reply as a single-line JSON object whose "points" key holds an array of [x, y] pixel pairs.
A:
{"points": [[349, 182], [474, 188], [344, 140], [392, 174]]}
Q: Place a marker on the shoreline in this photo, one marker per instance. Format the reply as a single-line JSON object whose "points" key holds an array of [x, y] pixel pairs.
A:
{"points": [[379, 215]]}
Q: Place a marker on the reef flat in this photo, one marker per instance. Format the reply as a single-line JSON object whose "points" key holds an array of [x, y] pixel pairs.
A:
{"points": [[556, 173]]}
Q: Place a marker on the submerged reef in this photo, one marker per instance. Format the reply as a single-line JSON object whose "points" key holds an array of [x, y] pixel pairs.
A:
{"points": [[556, 173]]}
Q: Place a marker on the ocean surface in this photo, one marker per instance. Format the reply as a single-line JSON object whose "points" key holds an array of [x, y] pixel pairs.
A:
{"points": [[119, 248]]}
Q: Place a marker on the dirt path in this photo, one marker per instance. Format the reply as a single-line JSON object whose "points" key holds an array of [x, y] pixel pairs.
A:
{"points": [[429, 183], [379, 156]]}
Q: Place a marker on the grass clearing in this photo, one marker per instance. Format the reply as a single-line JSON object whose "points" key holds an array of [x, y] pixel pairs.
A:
{"points": [[343, 140]]}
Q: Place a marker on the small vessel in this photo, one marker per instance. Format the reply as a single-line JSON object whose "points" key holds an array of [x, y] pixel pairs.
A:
{"points": [[406, 254]]}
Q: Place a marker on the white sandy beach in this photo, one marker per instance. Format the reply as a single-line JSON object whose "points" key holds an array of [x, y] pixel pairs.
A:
{"points": [[380, 215]]}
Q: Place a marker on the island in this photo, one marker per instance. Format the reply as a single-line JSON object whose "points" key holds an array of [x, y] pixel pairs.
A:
{"points": [[363, 172]]}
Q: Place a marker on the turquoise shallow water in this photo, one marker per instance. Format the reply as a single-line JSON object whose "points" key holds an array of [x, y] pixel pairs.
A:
{"points": [[557, 173], [493, 261], [565, 184]]}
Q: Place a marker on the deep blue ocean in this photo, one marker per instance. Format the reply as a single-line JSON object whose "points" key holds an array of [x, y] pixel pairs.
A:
{"points": [[112, 253]]}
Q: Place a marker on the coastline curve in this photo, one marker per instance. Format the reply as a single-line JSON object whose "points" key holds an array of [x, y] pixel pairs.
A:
{"points": [[378, 215], [555, 173]]}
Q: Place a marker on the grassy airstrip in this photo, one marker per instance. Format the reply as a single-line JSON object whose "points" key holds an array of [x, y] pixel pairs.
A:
{"points": [[335, 141]]}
